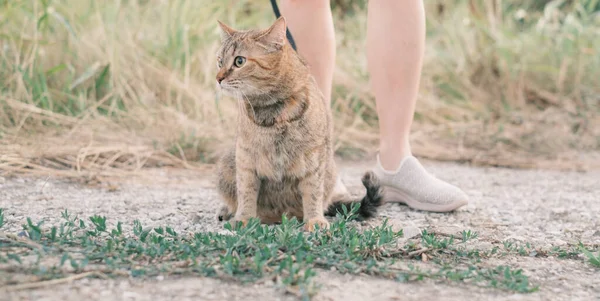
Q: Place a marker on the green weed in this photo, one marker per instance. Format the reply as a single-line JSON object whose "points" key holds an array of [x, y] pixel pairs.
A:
{"points": [[593, 259], [282, 252], [1, 217]]}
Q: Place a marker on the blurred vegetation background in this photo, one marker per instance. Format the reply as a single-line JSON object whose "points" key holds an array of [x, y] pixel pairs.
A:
{"points": [[107, 87]]}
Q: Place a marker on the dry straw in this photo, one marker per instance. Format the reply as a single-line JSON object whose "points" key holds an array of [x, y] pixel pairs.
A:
{"points": [[107, 88]]}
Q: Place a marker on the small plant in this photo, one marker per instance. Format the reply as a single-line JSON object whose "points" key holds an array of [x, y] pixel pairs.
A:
{"points": [[506, 278], [565, 253], [1, 217], [468, 235], [349, 214], [593, 259], [431, 241]]}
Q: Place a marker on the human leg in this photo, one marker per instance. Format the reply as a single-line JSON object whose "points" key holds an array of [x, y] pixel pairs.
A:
{"points": [[395, 49], [311, 25]]}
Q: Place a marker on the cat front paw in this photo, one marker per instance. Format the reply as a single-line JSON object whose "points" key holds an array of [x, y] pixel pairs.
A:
{"points": [[237, 220], [224, 214], [311, 223]]}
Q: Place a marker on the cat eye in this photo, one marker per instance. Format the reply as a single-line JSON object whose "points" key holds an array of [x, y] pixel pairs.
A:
{"points": [[220, 63], [239, 61]]}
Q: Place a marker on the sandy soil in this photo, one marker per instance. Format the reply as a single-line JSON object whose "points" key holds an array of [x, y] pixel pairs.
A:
{"points": [[543, 208]]}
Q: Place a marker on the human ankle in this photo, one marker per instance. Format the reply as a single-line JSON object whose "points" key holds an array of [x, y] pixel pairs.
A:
{"points": [[390, 157]]}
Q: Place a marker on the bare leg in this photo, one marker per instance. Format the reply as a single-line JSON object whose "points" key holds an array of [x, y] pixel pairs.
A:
{"points": [[395, 48], [311, 25], [396, 44]]}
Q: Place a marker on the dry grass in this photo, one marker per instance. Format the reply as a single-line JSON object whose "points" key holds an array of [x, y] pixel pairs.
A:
{"points": [[109, 87]]}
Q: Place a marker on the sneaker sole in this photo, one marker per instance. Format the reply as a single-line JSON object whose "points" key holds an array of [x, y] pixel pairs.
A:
{"points": [[392, 194]]}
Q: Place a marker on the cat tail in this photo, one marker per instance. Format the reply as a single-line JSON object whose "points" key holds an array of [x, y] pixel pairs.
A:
{"points": [[369, 204]]}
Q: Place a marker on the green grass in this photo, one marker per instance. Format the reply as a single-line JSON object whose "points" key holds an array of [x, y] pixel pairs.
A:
{"points": [[593, 259], [93, 248], [1, 217], [283, 252]]}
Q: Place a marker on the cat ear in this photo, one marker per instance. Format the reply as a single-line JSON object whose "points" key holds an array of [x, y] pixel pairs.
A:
{"points": [[226, 31], [274, 35]]}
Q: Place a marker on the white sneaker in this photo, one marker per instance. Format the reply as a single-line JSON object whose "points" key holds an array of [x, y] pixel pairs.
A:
{"points": [[413, 185]]}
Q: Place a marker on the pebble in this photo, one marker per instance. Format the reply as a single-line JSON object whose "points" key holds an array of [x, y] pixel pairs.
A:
{"points": [[185, 225], [411, 231], [196, 219], [43, 184], [154, 216]]}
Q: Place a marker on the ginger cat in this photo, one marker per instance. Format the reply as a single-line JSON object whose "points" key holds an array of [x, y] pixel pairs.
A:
{"points": [[283, 160]]}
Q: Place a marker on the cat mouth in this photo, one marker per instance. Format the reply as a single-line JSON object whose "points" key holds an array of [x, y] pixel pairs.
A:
{"points": [[228, 85], [233, 87], [227, 89], [224, 86]]}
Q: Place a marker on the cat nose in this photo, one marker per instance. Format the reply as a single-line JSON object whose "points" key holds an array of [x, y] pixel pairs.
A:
{"points": [[220, 78]]}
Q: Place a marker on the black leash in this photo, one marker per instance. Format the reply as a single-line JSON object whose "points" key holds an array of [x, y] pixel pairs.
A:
{"points": [[277, 15]]}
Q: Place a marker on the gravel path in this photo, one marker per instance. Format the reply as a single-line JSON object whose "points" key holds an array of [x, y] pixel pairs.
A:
{"points": [[543, 208]]}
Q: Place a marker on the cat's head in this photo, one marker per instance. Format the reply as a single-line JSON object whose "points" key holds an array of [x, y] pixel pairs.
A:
{"points": [[247, 60]]}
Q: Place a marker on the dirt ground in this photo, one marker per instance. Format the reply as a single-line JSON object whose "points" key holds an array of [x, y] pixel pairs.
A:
{"points": [[544, 208]]}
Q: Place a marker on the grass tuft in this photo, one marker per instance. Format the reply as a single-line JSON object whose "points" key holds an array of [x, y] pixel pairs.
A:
{"points": [[1, 218], [593, 259]]}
